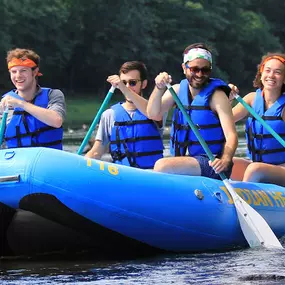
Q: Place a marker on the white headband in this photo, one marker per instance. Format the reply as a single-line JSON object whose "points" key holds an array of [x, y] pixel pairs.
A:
{"points": [[195, 53]]}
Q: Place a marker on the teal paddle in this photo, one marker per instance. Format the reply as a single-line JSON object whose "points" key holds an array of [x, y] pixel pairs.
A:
{"points": [[257, 117], [3, 125], [96, 119], [255, 229]]}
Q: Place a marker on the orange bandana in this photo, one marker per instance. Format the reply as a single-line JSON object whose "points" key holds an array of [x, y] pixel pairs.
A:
{"points": [[280, 58], [22, 62]]}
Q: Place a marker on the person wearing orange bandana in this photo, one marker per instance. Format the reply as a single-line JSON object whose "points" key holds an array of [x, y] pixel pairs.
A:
{"points": [[266, 161], [36, 114]]}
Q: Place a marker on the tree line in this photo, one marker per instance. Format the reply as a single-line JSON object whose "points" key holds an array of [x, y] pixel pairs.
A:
{"points": [[81, 42]]}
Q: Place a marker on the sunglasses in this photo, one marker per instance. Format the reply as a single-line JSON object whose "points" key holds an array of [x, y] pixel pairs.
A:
{"points": [[195, 69], [132, 82]]}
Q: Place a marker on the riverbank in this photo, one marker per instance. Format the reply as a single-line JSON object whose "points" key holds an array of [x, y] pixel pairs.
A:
{"points": [[81, 111]]}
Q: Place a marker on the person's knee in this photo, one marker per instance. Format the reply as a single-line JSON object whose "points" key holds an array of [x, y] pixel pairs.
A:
{"points": [[256, 167], [254, 172], [160, 165]]}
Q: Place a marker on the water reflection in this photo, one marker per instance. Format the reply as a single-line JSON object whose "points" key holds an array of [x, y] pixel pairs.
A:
{"points": [[247, 266]]}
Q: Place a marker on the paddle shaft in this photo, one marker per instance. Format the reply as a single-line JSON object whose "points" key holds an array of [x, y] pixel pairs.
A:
{"points": [[193, 127], [96, 119], [3, 125], [257, 117]]}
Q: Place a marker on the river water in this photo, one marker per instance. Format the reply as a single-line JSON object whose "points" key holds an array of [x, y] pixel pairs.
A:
{"points": [[246, 266]]}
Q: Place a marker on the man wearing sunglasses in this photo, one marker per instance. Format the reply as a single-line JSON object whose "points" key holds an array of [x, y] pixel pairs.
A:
{"points": [[133, 139], [206, 102]]}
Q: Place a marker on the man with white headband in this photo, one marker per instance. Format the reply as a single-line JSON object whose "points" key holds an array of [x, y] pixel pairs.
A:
{"points": [[206, 102], [36, 114]]}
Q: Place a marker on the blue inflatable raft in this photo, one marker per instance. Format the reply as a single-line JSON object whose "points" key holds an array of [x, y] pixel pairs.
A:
{"points": [[127, 208]]}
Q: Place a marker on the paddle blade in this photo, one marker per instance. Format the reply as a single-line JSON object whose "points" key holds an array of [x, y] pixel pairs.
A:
{"points": [[255, 229]]}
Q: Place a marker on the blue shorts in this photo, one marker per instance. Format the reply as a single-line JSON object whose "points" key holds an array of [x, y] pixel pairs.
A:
{"points": [[208, 171]]}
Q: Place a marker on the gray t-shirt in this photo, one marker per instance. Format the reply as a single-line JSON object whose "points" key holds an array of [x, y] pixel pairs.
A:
{"points": [[57, 102], [107, 123]]}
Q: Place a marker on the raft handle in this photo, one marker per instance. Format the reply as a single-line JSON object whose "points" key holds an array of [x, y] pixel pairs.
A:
{"points": [[199, 194], [9, 154], [218, 196], [10, 178]]}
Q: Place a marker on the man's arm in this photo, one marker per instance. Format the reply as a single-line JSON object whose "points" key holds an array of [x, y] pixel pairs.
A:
{"points": [[139, 101], [49, 116], [239, 111], [103, 134], [220, 104], [96, 151], [160, 100], [57, 102]]}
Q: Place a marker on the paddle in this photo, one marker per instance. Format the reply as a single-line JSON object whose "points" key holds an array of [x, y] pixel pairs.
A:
{"points": [[96, 119], [257, 117], [255, 229], [3, 124]]}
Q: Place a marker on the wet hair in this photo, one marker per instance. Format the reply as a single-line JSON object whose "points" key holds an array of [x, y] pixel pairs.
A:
{"points": [[23, 53], [257, 80], [134, 65], [196, 45]]}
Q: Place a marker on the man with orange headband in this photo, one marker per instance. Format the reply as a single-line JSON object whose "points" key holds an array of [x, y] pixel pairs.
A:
{"points": [[36, 114], [205, 100], [266, 161]]}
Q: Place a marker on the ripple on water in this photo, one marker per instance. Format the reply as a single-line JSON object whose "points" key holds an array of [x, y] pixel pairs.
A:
{"points": [[248, 267]]}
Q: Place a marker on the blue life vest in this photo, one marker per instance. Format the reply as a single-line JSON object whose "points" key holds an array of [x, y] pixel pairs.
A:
{"points": [[24, 130], [207, 122], [262, 146], [134, 141]]}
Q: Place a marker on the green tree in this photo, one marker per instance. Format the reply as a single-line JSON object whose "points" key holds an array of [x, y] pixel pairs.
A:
{"points": [[273, 11], [5, 42], [38, 25], [106, 34], [241, 42]]}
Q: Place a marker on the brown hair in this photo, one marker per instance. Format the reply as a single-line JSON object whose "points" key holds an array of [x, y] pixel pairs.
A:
{"points": [[23, 54], [257, 80], [134, 65]]}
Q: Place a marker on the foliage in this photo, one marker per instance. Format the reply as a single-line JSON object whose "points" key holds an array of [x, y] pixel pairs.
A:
{"points": [[82, 42]]}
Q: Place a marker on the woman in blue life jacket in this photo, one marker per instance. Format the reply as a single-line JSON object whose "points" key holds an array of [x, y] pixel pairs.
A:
{"points": [[206, 102], [36, 114], [133, 139], [266, 161]]}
